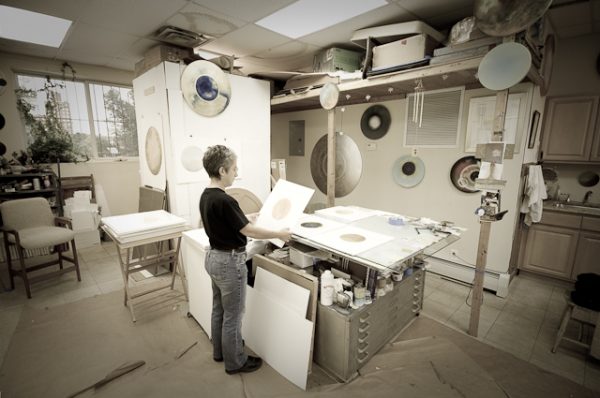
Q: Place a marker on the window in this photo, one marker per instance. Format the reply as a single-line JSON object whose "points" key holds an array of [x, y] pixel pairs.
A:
{"points": [[99, 117]]}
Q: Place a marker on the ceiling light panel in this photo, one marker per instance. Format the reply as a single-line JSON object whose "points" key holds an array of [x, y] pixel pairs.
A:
{"points": [[32, 27], [307, 16]]}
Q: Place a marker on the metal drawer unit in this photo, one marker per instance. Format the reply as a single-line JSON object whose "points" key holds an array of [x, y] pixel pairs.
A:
{"points": [[344, 343]]}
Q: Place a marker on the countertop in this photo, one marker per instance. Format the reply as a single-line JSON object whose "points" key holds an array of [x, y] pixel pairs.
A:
{"points": [[591, 209]]}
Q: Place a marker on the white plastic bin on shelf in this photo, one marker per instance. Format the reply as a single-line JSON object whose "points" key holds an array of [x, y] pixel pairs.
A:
{"points": [[194, 247]]}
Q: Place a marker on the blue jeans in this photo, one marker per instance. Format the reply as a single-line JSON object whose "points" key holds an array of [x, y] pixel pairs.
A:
{"points": [[228, 273]]}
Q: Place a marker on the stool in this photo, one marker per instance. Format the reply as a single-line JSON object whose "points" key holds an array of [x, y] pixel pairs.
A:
{"points": [[583, 316]]}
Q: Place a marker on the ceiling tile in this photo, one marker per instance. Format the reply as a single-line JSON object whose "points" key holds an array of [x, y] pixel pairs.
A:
{"points": [[68, 9], [341, 33], [91, 39], [566, 32], [570, 15], [287, 50], [137, 49], [446, 21], [248, 10], [202, 20], [134, 17], [425, 9], [248, 40]]}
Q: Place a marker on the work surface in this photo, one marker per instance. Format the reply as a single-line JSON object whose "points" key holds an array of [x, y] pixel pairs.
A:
{"points": [[58, 351]]}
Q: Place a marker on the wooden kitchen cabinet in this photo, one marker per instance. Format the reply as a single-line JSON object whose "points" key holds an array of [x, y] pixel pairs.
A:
{"points": [[588, 254], [551, 250], [563, 245], [570, 129]]}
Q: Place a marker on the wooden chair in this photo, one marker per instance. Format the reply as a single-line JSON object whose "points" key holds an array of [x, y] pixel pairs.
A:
{"points": [[584, 316], [29, 225]]}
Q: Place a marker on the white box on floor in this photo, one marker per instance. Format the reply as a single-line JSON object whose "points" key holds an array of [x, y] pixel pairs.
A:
{"points": [[403, 51], [87, 238]]}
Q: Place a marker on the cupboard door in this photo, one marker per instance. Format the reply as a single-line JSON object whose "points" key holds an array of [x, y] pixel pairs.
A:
{"points": [[569, 128], [595, 155], [588, 254], [550, 250]]}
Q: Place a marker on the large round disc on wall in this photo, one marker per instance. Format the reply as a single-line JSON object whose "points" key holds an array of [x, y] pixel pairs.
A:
{"points": [[505, 17], [348, 165], [463, 174], [588, 179], [2, 149], [191, 158], [249, 202], [2, 121], [3, 83], [330, 93], [504, 66], [375, 122], [205, 88], [408, 171], [153, 151]]}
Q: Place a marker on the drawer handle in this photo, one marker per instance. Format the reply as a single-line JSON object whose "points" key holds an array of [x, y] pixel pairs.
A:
{"points": [[363, 319], [364, 357], [363, 338], [364, 328], [363, 348]]}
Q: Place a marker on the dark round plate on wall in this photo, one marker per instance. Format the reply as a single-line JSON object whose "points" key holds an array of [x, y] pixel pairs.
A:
{"points": [[2, 121], [463, 174], [375, 122]]}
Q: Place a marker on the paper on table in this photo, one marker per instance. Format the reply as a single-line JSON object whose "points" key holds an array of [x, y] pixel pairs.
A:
{"points": [[283, 207]]}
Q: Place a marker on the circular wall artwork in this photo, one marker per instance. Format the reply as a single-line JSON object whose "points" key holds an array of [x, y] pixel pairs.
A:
{"points": [[3, 83], [205, 88], [2, 121], [588, 179], [153, 151], [348, 165], [2, 149], [375, 122], [191, 158], [408, 171], [463, 174]]}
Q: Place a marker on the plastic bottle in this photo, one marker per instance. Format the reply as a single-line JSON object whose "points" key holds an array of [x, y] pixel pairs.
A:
{"points": [[327, 288]]}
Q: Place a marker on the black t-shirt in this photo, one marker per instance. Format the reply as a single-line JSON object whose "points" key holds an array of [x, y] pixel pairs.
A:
{"points": [[223, 219]]}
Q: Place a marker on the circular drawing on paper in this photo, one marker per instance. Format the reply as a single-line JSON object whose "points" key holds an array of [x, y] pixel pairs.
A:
{"points": [[353, 238], [191, 158], [205, 87], [153, 151], [311, 224], [282, 208]]}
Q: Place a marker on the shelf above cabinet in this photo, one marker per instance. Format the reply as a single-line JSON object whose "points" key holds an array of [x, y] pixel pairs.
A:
{"points": [[434, 77]]}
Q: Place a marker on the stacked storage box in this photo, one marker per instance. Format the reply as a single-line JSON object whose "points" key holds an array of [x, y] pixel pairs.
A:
{"points": [[85, 218]]}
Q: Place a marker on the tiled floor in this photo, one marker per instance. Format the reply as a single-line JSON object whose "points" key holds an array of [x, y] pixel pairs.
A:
{"points": [[525, 324]]}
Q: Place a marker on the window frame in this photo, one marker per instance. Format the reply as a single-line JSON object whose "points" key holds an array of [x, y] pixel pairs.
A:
{"points": [[88, 105]]}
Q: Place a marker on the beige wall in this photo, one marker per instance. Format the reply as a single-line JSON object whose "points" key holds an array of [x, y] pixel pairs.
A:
{"points": [[119, 180], [434, 197]]}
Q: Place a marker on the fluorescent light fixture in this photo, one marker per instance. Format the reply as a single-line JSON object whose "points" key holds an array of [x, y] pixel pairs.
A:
{"points": [[307, 16], [32, 27]]}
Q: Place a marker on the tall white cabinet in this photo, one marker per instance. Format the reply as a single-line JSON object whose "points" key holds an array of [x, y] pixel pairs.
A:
{"points": [[172, 137]]}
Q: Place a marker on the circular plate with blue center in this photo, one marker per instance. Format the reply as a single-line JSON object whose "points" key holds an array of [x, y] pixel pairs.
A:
{"points": [[205, 88]]}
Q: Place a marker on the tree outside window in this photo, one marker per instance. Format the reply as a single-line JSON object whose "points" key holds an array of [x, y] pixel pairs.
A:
{"points": [[109, 132]]}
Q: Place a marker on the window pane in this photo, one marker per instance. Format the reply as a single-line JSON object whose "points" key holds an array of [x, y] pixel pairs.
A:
{"points": [[112, 109], [114, 120]]}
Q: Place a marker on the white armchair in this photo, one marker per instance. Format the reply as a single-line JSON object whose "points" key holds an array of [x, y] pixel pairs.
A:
{"points": [[29, 224]]}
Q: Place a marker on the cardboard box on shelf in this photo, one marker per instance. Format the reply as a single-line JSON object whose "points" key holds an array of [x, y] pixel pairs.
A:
{"points": [[334, 59], [403, 51], [161, 53]]}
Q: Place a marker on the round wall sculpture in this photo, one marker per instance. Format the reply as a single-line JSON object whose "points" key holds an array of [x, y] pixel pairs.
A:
{"points": [[348, 165], [375, 122]]}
